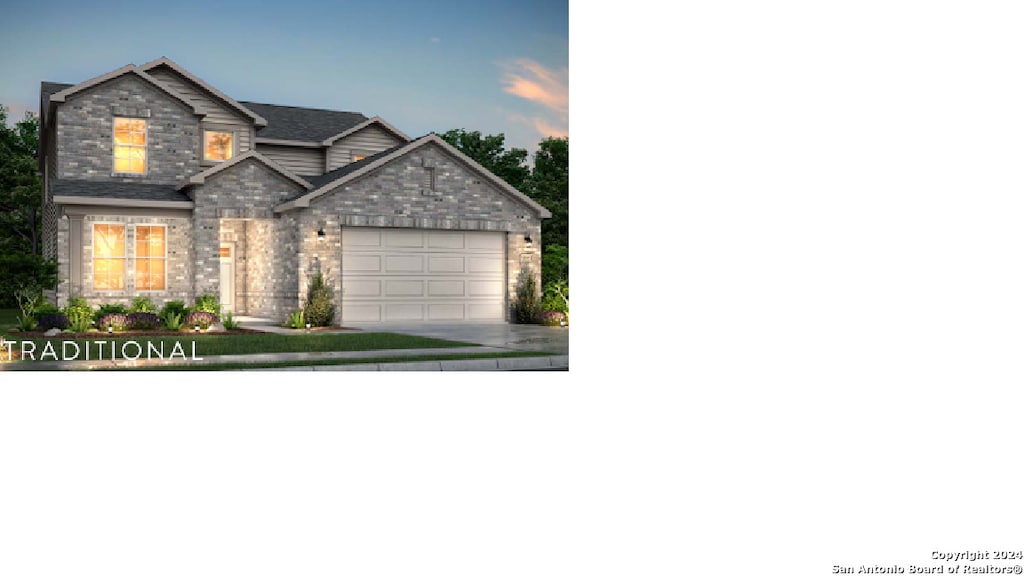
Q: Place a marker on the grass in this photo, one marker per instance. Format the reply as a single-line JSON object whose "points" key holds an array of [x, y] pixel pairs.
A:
{"points": [[256, 344], [339, 361], [8, 319]]}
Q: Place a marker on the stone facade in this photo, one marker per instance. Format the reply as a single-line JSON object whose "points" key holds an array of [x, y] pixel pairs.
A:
{"points": [[275, 254], [85, 133], [236, 206], [404, 194], [178, 270]]}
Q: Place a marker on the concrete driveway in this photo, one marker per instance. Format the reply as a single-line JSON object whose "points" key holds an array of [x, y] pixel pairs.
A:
{"points": [[513, 336]]}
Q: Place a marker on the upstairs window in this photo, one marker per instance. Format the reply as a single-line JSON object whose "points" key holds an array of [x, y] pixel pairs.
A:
{"points": [[130, 145], [218, 146], [108, 257]]}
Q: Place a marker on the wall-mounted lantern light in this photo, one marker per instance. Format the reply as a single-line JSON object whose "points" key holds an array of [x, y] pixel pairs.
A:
{"points": [[529, 242], [320, 234]]}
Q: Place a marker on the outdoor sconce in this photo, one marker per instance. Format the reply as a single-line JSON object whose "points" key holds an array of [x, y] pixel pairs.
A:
{"points": [[320, 234], [529, 242]]}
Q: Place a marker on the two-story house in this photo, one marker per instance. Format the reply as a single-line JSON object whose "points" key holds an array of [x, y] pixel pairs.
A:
{"points": [[156, 183]]}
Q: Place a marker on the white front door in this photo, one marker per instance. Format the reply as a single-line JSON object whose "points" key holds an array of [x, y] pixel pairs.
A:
{"points": [[227, 278]]}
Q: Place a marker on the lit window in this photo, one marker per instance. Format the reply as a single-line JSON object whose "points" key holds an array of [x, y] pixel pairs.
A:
{"points": [[218, 146], [130, 145], [150, 257], [108, 256], [358, 155]]}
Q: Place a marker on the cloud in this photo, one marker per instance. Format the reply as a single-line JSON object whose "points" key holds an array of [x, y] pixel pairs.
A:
{"points": [[549, 88], [435, 40]]}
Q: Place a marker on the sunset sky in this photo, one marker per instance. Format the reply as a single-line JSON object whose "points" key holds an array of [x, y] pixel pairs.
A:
{"points": [[496, 66]]}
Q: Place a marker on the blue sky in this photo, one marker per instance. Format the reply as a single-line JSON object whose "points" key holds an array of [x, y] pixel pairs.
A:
{"points": [[496, 67]]}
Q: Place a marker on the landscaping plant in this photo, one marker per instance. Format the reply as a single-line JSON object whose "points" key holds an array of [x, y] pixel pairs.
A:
{"points": [[79, 314], [49, 321], [526, 305], [229, 322], [143, 321], [207, 303], [45, 309], [172, 321], [319, 310], [202, 319], [142, 304], [295, 320], [551, 318], [173, 307], [116, 320], [27, 323], [106, 309]]}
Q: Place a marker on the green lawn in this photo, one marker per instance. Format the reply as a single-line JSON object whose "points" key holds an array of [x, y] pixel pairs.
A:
{"points": [[8, 319], [256, 344]]}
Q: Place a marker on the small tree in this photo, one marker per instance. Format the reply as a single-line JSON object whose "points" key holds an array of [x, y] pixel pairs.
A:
{"points": [[319, 310], [527, 304]]}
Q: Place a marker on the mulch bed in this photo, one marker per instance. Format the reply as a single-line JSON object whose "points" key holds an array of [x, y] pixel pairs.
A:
{"points": [[154, 333]]}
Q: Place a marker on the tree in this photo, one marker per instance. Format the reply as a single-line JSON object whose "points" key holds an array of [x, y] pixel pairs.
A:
{"points": [[549, 186], [489, 151], [20, 187]]}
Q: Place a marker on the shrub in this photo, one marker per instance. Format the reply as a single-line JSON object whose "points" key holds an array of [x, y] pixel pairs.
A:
{"points": [[556, 297], [526, 305], [27, 323], [143, 321], [295, 320], [229, 322], [28, 297], [172, 321], [58, 320], [173, 307], [551, 318], [116, 320], [45, 309], [207, 303], [319, 310], [202, 319], [106, 310], [79, 314], [142, 304]]}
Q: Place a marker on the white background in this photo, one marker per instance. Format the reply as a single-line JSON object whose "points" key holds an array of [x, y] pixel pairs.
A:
{"points": [[821, 363]]}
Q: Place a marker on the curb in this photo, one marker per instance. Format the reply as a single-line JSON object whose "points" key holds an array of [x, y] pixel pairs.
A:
{"points": [[473, 365]]}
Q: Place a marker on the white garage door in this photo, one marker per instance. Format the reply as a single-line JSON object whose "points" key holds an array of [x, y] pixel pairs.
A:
{"points": [[400, 275]]}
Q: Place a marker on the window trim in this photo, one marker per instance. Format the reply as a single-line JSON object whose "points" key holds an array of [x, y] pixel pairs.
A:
{"points": [[124, 268], [135, 257], [233, 130], [114, 145]]}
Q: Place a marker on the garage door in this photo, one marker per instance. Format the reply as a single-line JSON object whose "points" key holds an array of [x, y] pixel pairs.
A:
{"points": [[399, 275]]}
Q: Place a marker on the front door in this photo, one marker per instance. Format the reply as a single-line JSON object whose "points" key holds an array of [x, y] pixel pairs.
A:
{"points": [[227, 278]]}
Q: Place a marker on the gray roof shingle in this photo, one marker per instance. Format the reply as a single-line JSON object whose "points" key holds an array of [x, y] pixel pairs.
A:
{"points": [[118, 190], [304, 124]]}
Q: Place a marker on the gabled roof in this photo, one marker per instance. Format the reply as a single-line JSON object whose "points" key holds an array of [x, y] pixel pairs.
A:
{"points": [[356, 170], [92, 192], [201, 177], [310, 125], [62, 95], [375, 120], [164, 61]]}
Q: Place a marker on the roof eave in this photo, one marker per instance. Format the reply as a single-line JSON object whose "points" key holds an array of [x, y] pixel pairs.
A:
{"points": [[122, 202], [258, 120], [375, 120]]}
